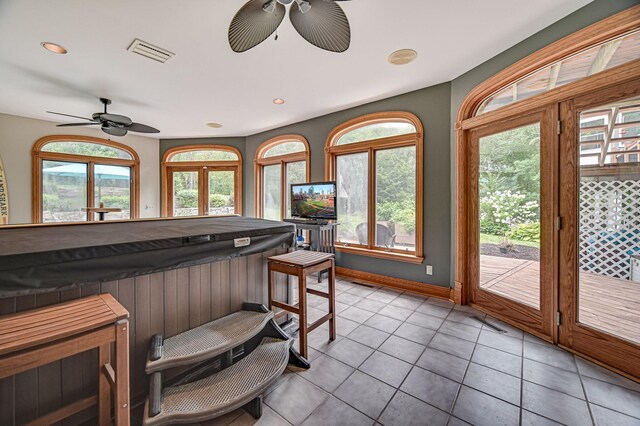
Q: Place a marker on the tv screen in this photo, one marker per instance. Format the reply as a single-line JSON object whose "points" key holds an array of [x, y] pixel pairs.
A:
{"points": [[315, 200]]}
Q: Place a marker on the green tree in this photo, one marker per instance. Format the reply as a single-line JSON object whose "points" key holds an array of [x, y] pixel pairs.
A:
{"points": [[509, 179], [86, 148]]}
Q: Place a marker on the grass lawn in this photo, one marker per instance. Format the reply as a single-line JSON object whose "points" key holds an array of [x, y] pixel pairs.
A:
{"points": [[496, 239]]}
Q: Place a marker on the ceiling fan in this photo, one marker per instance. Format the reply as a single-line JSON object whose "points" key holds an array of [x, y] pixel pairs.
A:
{"points": [[322, 23], [113, 124]]}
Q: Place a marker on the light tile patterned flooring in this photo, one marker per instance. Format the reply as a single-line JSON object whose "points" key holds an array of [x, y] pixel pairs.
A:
{"points": [[401, 359]]}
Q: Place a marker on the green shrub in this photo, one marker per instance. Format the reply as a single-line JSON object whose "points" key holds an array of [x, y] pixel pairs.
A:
{"points": [[402, 213], [115, 201], [51, 202], [187, 198], [492, 228], [218, 200], [525, 232], [509, 208]]}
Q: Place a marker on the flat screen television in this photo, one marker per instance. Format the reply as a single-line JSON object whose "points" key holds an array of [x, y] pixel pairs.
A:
{"points": [[314, 200]]}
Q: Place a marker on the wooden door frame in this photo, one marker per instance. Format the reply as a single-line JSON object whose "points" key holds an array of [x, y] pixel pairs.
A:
{"points": [[203, 184], [613, 26], [538, 322], [237, 185], [166, 180], [168, 188], [599, 345], [463, 279]]}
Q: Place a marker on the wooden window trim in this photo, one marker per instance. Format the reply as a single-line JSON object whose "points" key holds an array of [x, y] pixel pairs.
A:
{"points": [[377, 117], [38, 156], [608, 28], [168, 167], [260, 162], [371, 146], [599, 32]]}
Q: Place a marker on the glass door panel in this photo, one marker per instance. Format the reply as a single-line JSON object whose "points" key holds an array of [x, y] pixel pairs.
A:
{"points": [[64, 191], [112, 186], [609, 219], [509, 214], [512, 220], [396, 198], [296, 172], [352, 172], [221, 192], [186, 193], [272, 190], [599, 255]]}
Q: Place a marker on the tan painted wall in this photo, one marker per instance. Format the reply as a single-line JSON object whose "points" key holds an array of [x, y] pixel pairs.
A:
{"points": [[17, 136]]}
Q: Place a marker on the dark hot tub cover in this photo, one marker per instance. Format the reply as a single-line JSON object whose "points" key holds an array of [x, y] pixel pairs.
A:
{"points": [[42, 258]]}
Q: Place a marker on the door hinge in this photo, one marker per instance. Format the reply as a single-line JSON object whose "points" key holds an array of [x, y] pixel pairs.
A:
{"points": [[559, 223], [559, 127], [558, 318]]}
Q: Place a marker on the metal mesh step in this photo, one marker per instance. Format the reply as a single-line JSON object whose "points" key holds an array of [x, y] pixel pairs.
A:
{"points": [[209, 340], [225, 391]]}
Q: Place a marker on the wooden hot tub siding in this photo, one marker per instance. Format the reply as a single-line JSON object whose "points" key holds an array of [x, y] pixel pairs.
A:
{"points": [[167, 302]]}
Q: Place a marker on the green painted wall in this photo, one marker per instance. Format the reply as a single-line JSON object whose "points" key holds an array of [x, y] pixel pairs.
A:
{"points": [[431, 105]]}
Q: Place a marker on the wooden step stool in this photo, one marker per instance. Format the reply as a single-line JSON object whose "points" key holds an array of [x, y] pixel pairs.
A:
{"points": [[300, 264], [37, 337]]}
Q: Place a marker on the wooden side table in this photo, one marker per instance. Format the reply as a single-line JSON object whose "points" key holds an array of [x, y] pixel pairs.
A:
{"points": [[101, 211], [37, 337], [301, 263]]}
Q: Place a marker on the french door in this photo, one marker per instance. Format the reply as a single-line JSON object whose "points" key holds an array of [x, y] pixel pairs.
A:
{"points": [[511, 225], [599, 256], [202, 191]]}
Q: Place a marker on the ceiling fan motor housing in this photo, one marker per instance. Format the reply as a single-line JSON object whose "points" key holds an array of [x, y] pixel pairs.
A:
{"points": [[322, 23], [113, 124]]}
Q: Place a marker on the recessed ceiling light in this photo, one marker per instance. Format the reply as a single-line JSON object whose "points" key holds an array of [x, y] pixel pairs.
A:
{"points": [[214, 125], [278, 101], [53, 47], [402, 56]]}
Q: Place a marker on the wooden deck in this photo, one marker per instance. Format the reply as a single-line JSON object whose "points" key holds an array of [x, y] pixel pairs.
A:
{"points": [[608, 304]]}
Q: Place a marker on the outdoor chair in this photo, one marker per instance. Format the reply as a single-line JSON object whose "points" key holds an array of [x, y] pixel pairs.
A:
{"points": [[384, 236]]}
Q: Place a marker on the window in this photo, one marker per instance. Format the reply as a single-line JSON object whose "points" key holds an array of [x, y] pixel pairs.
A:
{"points": [[376, 161], [610, 134], [74, 174], [202, 180], [280, 162], [584, 63]]}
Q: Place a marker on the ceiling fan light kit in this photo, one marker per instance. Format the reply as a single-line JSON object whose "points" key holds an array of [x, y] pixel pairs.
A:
{"points": [[322, 23], [112, 124]]}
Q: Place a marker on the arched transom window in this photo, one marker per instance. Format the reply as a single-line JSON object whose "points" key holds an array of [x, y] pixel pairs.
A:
{"points": [[201, 180], [571, 68], [279, 162], [75, 175], [377, 162]]}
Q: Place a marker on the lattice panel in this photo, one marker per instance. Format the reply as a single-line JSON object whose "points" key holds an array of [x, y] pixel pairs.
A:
{"points": [[609, 226]]}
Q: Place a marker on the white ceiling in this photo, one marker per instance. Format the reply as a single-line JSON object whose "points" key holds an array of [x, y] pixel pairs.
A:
{"points": [[208, 82]]}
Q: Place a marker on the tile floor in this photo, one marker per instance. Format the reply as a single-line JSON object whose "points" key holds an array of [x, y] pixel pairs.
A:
{"points": [[401, 359]]}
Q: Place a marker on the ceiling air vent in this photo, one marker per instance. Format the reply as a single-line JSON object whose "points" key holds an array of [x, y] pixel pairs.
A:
{"points": [[150, 51]]}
